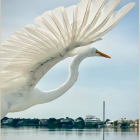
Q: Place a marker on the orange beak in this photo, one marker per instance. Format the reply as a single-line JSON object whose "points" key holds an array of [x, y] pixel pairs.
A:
{"points": [[102, 54]]}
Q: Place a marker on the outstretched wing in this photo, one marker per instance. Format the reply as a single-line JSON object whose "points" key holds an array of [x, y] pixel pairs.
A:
{"points": [[62, 32]]}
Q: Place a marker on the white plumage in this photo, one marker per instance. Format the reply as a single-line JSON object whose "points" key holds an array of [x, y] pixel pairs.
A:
{"points": [[35, 49]]}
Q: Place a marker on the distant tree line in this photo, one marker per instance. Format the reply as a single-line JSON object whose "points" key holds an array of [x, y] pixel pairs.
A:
{"points": [[51, 122]]}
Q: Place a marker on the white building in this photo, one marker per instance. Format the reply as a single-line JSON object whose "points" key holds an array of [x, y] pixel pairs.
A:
{"points": [[89, 120], [43, 121], [109, 123], [7, 121]]}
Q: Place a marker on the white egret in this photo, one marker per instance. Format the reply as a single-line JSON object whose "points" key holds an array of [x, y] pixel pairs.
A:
{"points": [[63, 32]]}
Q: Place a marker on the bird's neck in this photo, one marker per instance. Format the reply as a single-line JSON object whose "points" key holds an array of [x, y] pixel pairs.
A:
{"points": [[48, 96]]}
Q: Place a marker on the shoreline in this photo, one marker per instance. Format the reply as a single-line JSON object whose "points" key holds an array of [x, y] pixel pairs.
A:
{"points": [[69, 126]]}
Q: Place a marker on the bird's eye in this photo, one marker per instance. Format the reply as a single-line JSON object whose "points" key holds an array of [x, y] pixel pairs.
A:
{"points": [[97, 51]]}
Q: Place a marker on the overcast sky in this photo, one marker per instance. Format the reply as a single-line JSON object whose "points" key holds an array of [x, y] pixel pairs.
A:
{"points": [[112, 80]]}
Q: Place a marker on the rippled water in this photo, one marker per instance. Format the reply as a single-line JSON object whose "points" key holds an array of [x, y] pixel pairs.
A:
{"points": [[43, 133]]}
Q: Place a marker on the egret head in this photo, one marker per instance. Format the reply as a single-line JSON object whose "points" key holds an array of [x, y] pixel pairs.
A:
{"points": [[94, 52]]}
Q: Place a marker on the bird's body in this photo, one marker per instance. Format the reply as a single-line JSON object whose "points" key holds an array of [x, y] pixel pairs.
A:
{"points": [[64, 32]]}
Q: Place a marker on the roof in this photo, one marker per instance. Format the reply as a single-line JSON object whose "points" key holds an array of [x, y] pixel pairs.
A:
{"points": [[137, 120]]}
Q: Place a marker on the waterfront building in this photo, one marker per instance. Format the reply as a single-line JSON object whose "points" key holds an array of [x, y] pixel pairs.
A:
{"points": [[132, 125], [109, 123], [8, 121], [136, 123], [125, 120], [130, 121], [91, 120], [67, 122], [43, 122]]}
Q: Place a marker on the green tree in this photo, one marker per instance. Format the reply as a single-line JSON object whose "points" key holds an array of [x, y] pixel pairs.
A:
{"points": [[15, 122], [80, 121], [95, 125], [35, 121], [51, 122], [58, 123], [4, 119], [125, 124], [115, 123], [107, 120]]}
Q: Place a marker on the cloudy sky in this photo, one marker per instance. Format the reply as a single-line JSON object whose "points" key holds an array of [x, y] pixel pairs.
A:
{"points": [[112, 80]]}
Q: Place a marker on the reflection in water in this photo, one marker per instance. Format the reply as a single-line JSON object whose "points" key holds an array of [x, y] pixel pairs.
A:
{"points": [[41, 133], [103, 134]]}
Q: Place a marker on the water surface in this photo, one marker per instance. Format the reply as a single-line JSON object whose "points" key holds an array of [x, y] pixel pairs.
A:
{"points": [[44, 133]]}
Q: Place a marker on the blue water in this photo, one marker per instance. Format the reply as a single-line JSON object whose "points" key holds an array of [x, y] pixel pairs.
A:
{"points": [[43, 133]]}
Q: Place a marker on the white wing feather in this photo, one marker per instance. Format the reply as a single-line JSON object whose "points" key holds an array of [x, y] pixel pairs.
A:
{"points": [[60, 30]]}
